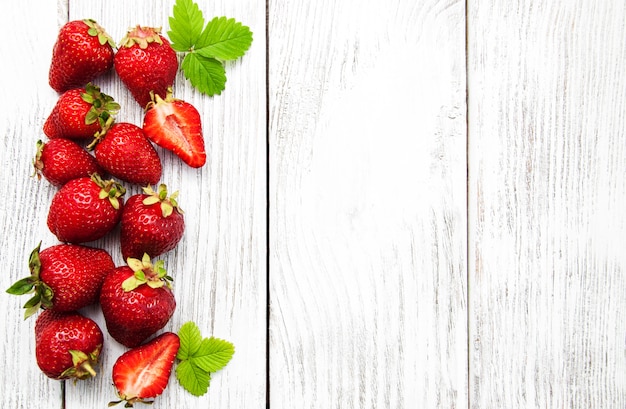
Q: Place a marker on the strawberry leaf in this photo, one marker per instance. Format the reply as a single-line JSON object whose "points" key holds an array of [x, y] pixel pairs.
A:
{"points": [[205, 48], [225, 39], [207, 75], [190, 340], [195, 380], [213, 354], [185, 25], [199, 357]]}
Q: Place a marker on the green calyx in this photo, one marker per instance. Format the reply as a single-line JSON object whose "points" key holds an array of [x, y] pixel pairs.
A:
{"points": [[37, 163], [110, 189], [103, 107], [43, 294], [153, 275], [155, 99], [168, 204], [82, 364], [95, 30], [142, 37]]}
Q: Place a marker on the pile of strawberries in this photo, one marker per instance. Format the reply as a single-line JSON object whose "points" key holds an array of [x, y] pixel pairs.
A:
{"points": [[136, 299]]}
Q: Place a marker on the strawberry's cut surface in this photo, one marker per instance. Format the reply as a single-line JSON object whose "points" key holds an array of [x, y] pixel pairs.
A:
{"points": [[176, 125], [143, 372]]}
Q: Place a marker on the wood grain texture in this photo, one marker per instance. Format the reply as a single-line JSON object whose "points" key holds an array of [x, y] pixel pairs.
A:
{"points": [[367, 193], [547, 92], [219, 267]]}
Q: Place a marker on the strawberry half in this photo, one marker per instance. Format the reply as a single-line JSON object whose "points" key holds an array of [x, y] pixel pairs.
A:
{"points": [[175, 125], [82, 52], [67, 345], [143, 372]]}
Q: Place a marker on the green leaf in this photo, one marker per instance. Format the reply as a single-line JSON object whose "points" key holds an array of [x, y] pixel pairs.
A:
{"points": [[22, 286], [185, 25], [207, 75], [190, 340], [225, 39], [198, 357], [195, 380], [213, 354]]}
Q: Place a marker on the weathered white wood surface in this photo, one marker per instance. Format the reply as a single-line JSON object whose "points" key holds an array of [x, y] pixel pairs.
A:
{"points": [[367, 175], [418, 256], [547, 159]]}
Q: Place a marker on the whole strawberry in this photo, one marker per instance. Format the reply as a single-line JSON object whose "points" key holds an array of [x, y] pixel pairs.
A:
{"points": [[176, 125], [143, 372], [145, 62], [151, 223], [82, 52], [61, 160], [136, 301], [85, 209], [80, 113], [126, 153], [67, 345], [64, 277]]}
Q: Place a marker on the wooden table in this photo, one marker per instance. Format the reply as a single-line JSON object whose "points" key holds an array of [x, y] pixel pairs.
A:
{"points": [[407, 204]]}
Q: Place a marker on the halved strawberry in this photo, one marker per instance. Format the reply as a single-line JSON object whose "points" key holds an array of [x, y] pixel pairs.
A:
{"points": [[175, 125], [143, 372]]}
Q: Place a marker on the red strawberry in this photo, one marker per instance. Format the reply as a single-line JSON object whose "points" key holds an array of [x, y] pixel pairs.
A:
{"points": [[176, 125], [80, 113], [61, 160], [85, 209], [126, 153], [64, 277], [151, 223], [67, 345], [143, 372], [136, 301], [83, 51], [145, 62]]}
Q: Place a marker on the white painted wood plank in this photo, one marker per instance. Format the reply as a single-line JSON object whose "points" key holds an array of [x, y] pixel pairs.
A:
{"points": [[220, 265], [547, 105], [367, 193]]}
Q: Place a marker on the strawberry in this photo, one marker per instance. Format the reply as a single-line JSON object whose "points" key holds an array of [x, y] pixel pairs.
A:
{"points": [[82, 52], [61, 160], [64, 277], [80, 113], [67, 345], [136, 301], [145, 62], [143, 372], [85, 209], [176, 125], [126, 153], [151, 223]]}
